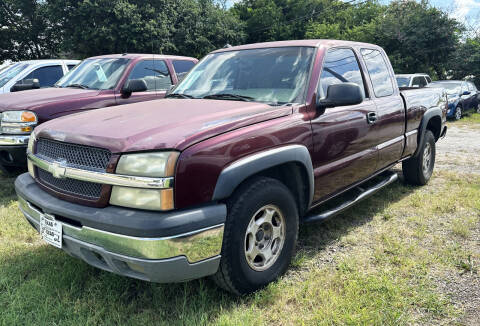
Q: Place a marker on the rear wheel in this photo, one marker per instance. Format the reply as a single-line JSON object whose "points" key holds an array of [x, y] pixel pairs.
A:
{"points": [[418, 169], [458, 113], [260, 236]]}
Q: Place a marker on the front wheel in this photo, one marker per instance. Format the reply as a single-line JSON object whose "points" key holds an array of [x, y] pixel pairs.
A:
{"points": [[418, 169], [260, 236], [458, 113]]}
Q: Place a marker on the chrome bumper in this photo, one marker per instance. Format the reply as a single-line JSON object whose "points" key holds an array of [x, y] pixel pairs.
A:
{"points": [[195, 246], [14, 140]]}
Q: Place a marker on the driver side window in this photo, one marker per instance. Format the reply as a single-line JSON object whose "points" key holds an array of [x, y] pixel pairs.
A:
{"points": [[340, 66]]}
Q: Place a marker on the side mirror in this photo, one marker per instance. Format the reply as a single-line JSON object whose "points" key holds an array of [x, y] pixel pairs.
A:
{"points": [[341, 95], [134, 86], [466, 93], [25, 84]]}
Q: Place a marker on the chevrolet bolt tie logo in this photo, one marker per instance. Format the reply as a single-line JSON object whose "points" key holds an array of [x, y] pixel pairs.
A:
{"points": [[58, 169]]}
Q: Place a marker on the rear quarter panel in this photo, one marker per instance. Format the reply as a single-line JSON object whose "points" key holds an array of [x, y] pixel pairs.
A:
{"points": [[417, 102]]}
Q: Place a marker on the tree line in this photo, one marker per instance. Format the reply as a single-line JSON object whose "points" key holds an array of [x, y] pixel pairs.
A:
{"points": [[416, 36]]}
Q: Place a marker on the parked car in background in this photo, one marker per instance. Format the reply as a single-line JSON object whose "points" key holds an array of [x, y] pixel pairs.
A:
{"points": [[95, 83], [413, 80], [463, 97], [215, 179], [33, 74]]}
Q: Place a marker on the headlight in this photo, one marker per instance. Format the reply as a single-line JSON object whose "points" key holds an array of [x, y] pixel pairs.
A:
{"points": [[161, 164], [153, 165], [31, 142], [150, 199], [18, 122]]}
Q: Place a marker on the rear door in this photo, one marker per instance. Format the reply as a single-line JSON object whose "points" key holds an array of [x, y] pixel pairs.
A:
{"points": [[389, 128], [344, 144], [474, 95]]}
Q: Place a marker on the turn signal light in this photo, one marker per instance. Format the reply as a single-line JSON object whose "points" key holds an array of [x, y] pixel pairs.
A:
{"points": [[28, 117]]}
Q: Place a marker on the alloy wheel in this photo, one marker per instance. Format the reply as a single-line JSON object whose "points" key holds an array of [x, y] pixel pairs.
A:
{"points": [[264, 238]]}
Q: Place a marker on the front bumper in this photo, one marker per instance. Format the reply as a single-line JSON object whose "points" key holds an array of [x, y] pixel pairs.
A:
{"points": [[13, 149], [176, 253]]}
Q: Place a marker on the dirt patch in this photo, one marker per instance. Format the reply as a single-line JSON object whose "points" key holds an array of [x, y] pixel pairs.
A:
{"points": [[459, 150]]}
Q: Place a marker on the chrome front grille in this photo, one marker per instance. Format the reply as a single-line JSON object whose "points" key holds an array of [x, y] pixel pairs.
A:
{"points": [[74, 156], [72, 187]]}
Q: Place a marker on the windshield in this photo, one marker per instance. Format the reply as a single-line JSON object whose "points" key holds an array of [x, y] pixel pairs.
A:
{"points": [[95, 74], [10, 72], [451, 88], [274, 75], [403, 81]]}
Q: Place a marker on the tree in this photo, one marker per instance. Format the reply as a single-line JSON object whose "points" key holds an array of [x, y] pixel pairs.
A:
{"points": [[465, 62], [26, 32], [418, 37], [188, 27]]}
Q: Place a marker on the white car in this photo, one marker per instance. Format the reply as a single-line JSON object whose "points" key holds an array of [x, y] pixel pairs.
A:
{"points": [[413, 80], [47, 72]]}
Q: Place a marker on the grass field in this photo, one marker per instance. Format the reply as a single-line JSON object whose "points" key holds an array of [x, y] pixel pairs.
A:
{"points": [[404, 256]]}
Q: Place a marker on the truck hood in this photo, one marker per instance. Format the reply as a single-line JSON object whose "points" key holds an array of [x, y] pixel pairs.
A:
{"points": [[161, 124], [35, 98]]}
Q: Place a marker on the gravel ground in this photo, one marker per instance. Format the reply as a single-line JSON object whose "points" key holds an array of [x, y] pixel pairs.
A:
{"points": [[460, 151]]}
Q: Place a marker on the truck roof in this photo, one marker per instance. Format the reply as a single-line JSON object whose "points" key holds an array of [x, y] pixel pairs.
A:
{"points": [[43, 61], [307, 43], [411, 75], [141, 56]]}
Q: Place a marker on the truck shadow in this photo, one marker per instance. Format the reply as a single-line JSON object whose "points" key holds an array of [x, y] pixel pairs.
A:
{"points": [[50, 277], [7, 189]]}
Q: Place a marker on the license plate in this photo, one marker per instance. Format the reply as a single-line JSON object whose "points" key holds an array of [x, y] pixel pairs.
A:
{"points": [[51, 230]]}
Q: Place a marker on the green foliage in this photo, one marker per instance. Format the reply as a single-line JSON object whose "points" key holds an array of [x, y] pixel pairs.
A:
{"points": [[466, 61], [416, 36], [26, 30]]}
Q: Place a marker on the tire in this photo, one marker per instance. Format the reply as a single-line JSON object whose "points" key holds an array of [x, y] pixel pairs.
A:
{"points": [[248, 210], [418, 169], [458, 113]]}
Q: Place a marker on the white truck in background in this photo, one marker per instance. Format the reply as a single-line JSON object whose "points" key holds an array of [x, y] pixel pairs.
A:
{"points": [[32, 74]]}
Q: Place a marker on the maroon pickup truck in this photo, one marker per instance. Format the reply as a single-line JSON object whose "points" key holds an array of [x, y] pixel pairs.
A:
{"points": [[215, 179], [95, 83]]}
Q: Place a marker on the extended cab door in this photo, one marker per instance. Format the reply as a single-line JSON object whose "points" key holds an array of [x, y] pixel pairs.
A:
{"points": [[157, 77], [344, 150], [389, 127]]}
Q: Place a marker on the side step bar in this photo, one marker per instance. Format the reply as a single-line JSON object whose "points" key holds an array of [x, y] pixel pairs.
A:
{"points": [[364, 193]]}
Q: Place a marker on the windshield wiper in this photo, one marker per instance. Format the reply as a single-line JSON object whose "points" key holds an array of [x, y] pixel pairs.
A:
{"points": [[179, 95], [78, 86], [229, 97]]}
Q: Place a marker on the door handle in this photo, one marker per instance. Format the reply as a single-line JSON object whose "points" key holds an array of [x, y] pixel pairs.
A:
{"points": [[371, 117]]}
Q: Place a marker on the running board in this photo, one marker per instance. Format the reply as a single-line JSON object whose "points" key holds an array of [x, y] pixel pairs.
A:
{"points": [[364, 193]]}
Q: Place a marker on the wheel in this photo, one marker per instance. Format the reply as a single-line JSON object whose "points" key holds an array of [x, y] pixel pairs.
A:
{"points": [[458, 112], [478, 108], [260, 236], [418, 169]]}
